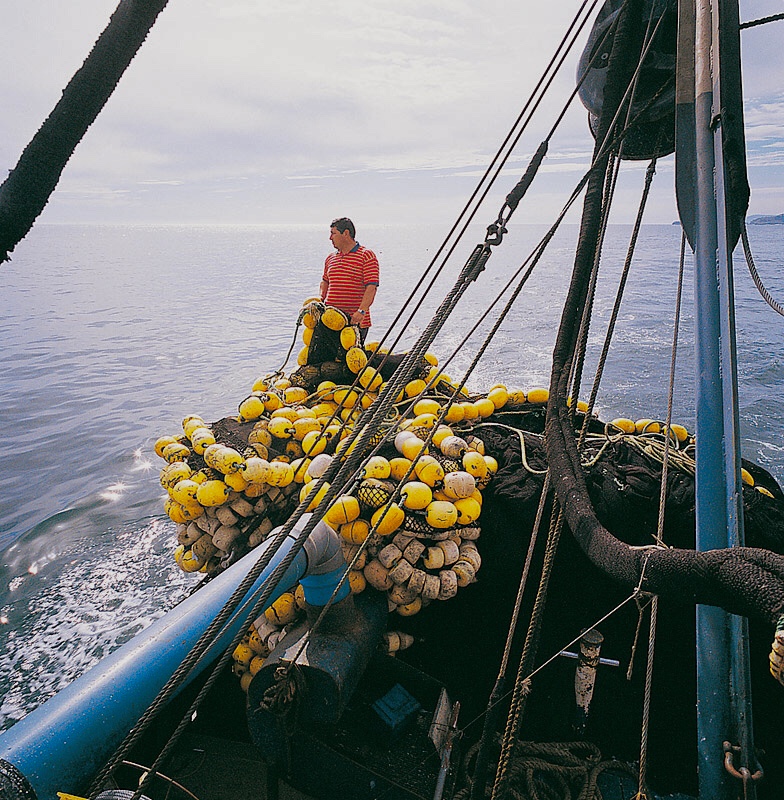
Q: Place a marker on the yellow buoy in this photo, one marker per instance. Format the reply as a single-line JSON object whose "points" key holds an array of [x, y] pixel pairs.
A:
{"points": [[356, 581], [162, 443], [279, 473], [441, 514], [343, 510], [370, 379], [355, 531], [255, 470], [314, 442], [426, 421], [647, 426], [498, 396], [334, 319], [475, 464], [398, 467], [294, 394], [251, 408], [427, 406], [234, 480], [201, 439], [415, 387], [184, 491], [243, 653], [680, 432], [349, 337], [624, 424], [455, 413], [300, 469], [412, 447], [429, 471], [192, 423], [356, 359], [416, 495], [309, 320], [303, 426], [228, 460], [175, 511], [538, 396], [283, 610], [346, 397], [470, 410], [377, 467], [485, 407], [173, 473], [468, 510], [212, 493], [176, 451], [517, 397], [442, 432], [387, 519], [281, 427], [272, 401], [309, 492]]}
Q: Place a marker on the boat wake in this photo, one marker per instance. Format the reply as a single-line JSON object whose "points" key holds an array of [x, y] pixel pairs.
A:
{"points": [[70, 609]]}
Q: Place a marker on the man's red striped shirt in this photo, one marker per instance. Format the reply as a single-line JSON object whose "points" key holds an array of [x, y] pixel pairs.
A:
{"points": [[347, 275]]}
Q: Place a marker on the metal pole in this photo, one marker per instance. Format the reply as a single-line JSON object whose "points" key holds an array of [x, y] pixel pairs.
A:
{"points": [[722, 651]]}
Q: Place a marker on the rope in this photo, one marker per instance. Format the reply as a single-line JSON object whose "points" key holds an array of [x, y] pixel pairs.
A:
{"points": [[467, 215], [526, 680], [649, 173], [766, 296], [648, 690], [670, 393], [761, 21], [480, 772], [522, 683]]}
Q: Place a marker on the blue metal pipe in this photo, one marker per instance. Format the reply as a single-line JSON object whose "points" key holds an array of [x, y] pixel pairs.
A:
{"points": [[66, 740], [722, 654]]}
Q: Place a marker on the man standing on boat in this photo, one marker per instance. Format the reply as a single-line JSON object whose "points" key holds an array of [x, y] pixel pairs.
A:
{"points": [[350, 278]]}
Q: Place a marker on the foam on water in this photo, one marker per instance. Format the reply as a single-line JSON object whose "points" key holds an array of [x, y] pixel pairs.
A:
{"points": [[77, 604]]}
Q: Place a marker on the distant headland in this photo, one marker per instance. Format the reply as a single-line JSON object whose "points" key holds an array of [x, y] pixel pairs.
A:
{"points": [[762, 219], [758, 219]]}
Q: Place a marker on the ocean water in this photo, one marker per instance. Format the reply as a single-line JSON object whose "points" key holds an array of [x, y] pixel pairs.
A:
{"points": [[111, 335]]}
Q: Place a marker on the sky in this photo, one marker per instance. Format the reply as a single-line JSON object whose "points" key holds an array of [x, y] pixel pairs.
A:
{"points": [[253, 112]]}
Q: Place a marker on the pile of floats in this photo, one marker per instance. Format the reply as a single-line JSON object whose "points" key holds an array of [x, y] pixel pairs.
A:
{"points": [[410, 524]]}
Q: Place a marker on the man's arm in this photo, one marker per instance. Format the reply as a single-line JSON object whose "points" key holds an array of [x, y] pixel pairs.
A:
{"points": [[323, 288], [368, 297]]}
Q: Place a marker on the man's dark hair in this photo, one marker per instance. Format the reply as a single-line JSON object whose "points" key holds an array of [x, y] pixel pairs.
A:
{"points": [[343, 224]]}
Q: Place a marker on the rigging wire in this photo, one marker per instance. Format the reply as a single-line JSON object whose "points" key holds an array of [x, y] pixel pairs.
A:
{"points": [[766, 295], [762, 21], [648, 690], [467, 215], [650, 171]]}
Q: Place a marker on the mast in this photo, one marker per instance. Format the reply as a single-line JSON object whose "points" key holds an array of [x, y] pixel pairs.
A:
{"points": [[709, 214]]}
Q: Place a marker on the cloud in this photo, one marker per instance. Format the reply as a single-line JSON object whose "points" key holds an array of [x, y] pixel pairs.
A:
{"points": [[357, 101]]}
